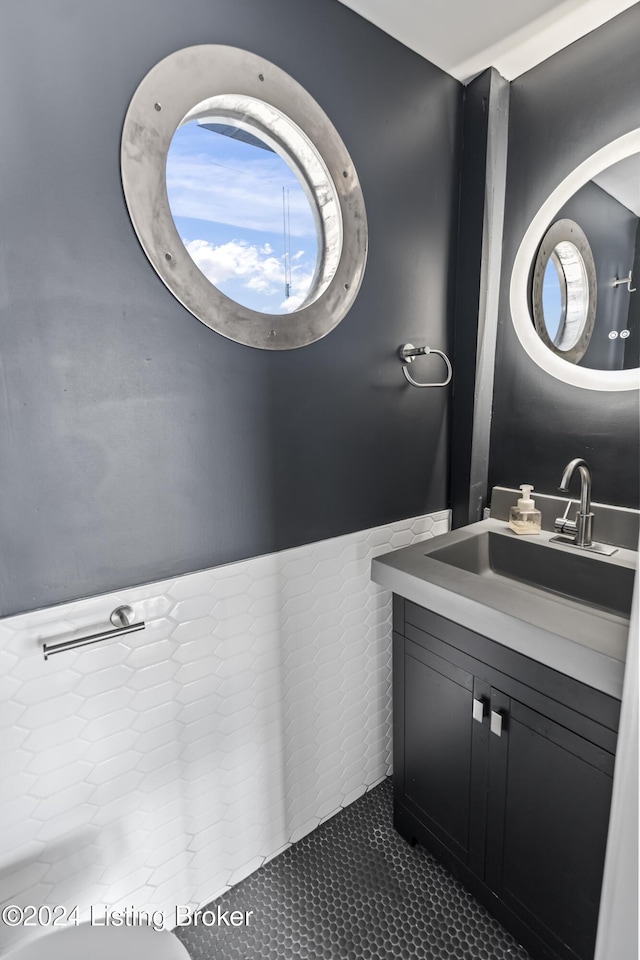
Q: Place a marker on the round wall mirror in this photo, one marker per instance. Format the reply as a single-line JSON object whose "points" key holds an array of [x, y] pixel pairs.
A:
{"points": [[574, 302], [244, 197], [564, 291]]}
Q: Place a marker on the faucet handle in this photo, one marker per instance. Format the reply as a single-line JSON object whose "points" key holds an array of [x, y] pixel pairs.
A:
{"points": [[563, 524], [566, 510]]}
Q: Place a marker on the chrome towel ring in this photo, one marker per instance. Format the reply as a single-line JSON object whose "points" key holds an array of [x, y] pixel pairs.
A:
{"points": [[408, 353]]}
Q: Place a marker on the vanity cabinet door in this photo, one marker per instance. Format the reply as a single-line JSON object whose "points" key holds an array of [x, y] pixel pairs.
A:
{"points": [[444, 751], [547, 825], [503, 768]]}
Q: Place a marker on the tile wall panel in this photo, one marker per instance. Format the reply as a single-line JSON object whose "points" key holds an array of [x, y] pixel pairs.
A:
{"points": [[162, 767]]}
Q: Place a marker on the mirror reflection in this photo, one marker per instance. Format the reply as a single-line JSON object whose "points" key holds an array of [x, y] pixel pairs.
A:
{"points": [[565, 296], [553, 297], [607, 210], [564, 291]]}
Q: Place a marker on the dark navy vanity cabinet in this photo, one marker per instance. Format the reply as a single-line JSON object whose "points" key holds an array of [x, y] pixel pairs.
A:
{"points": [[503, 767]]}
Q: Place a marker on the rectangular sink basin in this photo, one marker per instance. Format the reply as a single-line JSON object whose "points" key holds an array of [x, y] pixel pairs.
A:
{"points": [[564, 572]]}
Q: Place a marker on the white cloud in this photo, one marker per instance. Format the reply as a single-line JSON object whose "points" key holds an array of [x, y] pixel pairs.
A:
{"points": [[291, 304], [255, 267], [248, 197]]}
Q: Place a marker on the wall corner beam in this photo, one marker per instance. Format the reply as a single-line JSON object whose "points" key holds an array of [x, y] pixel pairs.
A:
{"points": [[483, 174]]}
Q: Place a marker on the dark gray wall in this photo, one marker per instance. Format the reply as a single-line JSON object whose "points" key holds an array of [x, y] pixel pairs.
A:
{"points": [[138, 444], [611, 231], [560, 113], [632, 346]]}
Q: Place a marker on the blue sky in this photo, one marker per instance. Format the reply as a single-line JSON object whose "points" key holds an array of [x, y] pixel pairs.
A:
{"points": [[551, 299], [226, 201]]}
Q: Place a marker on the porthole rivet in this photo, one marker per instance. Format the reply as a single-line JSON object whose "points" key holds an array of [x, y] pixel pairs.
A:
{"points": [[345, 173], [157, 106], [260, 76], [168, 256], [272, 333], [346, 286]]}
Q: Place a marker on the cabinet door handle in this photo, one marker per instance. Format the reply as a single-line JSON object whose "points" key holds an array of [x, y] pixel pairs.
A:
{"points": [[496, 723], [478, 710]]}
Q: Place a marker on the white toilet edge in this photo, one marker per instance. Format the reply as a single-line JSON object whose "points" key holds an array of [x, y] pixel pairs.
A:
{"points": [[100, 943]]}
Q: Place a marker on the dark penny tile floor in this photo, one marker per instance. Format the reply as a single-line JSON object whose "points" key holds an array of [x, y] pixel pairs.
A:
{"points": [[353, 890]]}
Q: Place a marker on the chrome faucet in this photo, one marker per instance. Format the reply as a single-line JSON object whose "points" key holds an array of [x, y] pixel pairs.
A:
{"points": [[582, 526], [578, 532]]}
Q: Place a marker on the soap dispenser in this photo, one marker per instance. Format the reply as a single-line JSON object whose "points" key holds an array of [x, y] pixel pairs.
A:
{"points": [[524, 517]]}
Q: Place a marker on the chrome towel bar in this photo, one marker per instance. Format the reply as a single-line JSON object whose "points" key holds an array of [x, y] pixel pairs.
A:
{"points": [[121, 618], [408, 353]]}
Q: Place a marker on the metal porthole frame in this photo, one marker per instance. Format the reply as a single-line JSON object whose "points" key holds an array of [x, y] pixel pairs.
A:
{"points": [[565, 231], [163, 99]]}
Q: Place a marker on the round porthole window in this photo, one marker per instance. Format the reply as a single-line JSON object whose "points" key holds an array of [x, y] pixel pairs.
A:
{"points": [[563, 293], [244, 197]]}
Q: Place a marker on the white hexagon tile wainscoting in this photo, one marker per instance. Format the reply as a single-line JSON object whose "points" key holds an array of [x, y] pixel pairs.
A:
{"points": [[162, 767]]}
